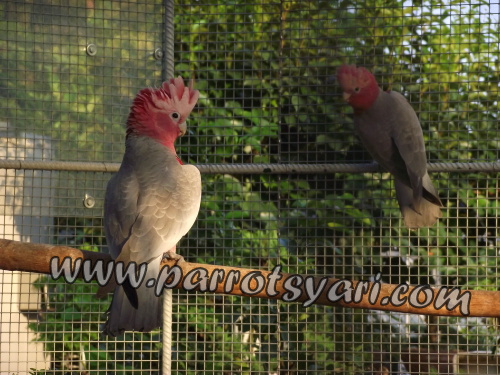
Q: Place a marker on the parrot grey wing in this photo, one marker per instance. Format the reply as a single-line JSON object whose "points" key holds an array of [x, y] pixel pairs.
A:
{"points": [[391, 132], [119, 215], [120, 209], [377, 127], [411, 176], [408, 138], [430, 193]]}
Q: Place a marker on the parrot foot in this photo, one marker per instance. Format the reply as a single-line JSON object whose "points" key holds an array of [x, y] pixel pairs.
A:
{"points": [[170, 255]]}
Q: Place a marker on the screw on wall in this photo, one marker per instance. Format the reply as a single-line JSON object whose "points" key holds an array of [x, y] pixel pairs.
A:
{"points": [[88, 201], [91, 49], [158, 54]]}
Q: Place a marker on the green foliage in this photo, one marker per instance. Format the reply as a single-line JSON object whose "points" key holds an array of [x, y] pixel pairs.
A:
{"points": [[71, 327], [54, 88], [70, 324]]}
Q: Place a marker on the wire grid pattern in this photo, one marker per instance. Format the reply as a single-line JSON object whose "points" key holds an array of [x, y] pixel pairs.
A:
{"points": [[264, 70]]}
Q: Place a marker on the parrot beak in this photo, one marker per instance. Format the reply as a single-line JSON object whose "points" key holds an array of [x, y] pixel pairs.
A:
{"points": [[346, 96], [182, 128]]}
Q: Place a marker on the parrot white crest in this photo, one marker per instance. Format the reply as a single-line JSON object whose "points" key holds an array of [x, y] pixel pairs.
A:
{"points": [[161, 113], [174, 95]]}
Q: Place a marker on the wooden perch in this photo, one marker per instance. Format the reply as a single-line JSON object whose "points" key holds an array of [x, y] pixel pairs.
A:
{"points": [[305, 289]]}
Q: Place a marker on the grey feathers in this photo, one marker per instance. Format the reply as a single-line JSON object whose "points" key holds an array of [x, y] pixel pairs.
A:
{"points": [[150, 204], [391, 132]]}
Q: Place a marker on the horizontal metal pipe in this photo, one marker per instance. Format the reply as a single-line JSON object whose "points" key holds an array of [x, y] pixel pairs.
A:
{"points": [[292, 168]]}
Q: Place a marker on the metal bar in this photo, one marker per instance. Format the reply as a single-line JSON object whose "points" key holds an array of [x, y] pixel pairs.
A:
{"points": [[60, 166], [167, 73], [249, 168], [168, 41]]}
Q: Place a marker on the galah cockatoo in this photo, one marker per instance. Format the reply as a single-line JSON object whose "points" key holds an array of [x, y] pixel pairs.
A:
{"points": [[390, 130], [151, 203]]}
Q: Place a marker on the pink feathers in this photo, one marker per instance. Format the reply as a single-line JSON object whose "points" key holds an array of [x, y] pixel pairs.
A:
{"points": [[359, 86], [347, 75], [161, 113], [178, 94]]}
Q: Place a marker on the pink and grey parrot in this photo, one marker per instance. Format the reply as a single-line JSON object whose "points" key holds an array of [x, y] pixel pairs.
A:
{"points": [[390, 130], [151, 203]]}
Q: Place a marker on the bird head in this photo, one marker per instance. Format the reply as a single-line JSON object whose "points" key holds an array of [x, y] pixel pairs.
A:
{"points": [[359, 87], [161, 113]]}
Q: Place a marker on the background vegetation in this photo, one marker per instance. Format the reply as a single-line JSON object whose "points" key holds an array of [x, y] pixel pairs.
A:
{"points": [[264, 71]]}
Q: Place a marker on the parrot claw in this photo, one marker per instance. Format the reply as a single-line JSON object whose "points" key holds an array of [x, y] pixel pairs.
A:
{"points": [[170, 255]]}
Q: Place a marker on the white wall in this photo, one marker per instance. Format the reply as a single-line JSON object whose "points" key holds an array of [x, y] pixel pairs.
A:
{"points": [[25, 215]]}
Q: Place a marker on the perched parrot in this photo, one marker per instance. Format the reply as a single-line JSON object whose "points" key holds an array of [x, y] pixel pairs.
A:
{"points": [[390, 130], [151, 203]]}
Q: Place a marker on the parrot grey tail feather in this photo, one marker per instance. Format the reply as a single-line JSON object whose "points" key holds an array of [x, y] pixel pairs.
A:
{"points": [[429, 212], [417, 196], [430, 192], [433, 198], [123, 316], [111, 327], [104, 290], [131, 294], [417, 203]]}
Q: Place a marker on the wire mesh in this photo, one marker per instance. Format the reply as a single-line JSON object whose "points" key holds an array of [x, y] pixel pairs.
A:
{"points": [[265, 69]]}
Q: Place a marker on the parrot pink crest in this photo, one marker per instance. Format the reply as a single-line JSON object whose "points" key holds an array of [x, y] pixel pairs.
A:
{"points": [[360, 89], [161, 113]]}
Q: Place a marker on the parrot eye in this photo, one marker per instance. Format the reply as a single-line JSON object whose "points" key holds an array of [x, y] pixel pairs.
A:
{"points": [[356, 89], [175, 116]]}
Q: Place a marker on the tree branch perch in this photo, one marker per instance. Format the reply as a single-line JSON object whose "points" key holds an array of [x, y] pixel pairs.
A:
{"points": [[306, 289]]}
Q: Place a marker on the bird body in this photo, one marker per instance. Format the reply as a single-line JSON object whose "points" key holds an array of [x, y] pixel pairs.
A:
{"points": [[151, 203], [390, 130]]}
